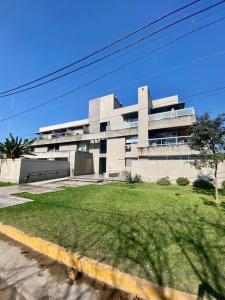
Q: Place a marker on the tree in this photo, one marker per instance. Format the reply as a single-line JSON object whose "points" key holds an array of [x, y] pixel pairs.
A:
{"points": [[15, 147], [208, 137]]}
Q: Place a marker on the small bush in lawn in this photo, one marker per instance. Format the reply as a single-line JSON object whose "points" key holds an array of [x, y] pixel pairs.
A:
{"points": [[132, 179], [203, 184], [223, 185], [137, 178], [164, 181], [182, 181]]}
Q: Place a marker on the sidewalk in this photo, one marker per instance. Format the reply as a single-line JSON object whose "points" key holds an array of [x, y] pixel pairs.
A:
{"points": [[28, 275], [7, 193]]}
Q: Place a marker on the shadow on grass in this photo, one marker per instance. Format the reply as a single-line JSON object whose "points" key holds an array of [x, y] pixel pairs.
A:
{"points": [[153, 252], [204, 191], [172, 249], [175, 250]]}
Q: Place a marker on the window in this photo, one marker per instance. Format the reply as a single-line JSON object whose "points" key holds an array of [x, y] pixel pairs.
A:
{"points": [[53, 148], [82, 147], [103, 146], [61, 158], [128, 161], [103, 126], [133, 139], [173, 157]]}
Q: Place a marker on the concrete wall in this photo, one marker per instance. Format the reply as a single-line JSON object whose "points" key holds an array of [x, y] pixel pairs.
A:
{"points": [[37, 170], [115, 155], [40, 149], [83, 163], [31, 170], [94, 150], [166, 150], [155, 169], [10, 170], [144, 103], [172, 123]]}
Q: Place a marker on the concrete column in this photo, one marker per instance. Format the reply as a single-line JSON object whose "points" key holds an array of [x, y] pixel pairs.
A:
{"points": [[94, 116], [144, 104], [72, 162]]}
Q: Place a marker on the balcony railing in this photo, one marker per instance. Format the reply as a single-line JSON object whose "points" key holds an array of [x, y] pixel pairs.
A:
{"points": [[123, 125], [58, 135], [169, 141], [172, 114]]}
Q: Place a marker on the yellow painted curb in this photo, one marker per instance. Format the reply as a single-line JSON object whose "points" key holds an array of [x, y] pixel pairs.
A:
{"points": [[107, 274]]}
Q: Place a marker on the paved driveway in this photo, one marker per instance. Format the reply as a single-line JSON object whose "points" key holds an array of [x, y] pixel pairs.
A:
{"points": [[7, 193]]}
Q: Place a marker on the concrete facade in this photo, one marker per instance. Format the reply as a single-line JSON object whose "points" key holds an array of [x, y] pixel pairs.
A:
{"points": [[148, 138]]}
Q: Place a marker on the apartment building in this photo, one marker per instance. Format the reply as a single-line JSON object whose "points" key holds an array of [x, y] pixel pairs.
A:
{"points": [[148, 138]]}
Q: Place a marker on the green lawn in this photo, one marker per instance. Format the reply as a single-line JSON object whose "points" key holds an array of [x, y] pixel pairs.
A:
{"points": [[170, 235], [5, 183]]}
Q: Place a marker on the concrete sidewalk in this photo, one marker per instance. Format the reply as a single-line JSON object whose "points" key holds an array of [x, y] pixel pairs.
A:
{"points": [[28, 275], [7, 193]]}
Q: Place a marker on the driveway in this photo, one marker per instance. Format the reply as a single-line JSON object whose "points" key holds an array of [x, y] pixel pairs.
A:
{"points": [[7, 193]]}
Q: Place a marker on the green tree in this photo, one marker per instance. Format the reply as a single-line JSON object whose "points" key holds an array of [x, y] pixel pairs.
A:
{"points": [[208, 137], [15, 147]]}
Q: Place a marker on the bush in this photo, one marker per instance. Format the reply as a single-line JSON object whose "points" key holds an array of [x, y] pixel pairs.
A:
{"points": [[203, 184], [137, 178], [164, 181], [132, 179], [182, 181], [223, 185]]}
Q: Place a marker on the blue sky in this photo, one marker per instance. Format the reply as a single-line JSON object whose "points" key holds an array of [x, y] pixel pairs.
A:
{"points": [[39, 36]]}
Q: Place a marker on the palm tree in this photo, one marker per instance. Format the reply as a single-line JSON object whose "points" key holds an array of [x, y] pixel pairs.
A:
{"points": [[13, 147]]}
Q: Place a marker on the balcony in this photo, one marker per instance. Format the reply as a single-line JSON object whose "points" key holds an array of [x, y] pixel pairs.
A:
{"points": [[123, 125], [169, 141], [172, 114], [55, 135]]}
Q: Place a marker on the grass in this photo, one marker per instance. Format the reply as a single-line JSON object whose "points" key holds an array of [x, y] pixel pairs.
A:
{"points": [[171, 235], [5, 183]]}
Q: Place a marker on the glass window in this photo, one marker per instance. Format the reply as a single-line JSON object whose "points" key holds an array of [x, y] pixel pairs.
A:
{"points": [[133, 139]]}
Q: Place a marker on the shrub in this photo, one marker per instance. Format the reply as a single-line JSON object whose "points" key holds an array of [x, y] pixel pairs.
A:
{"points": [[223, 185], [137, 178], [203, 184], [183, 181], [132, 179], [164, 181]]}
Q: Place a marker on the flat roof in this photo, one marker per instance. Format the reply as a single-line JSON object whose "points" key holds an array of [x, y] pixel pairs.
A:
{"points": [[64, 125]]}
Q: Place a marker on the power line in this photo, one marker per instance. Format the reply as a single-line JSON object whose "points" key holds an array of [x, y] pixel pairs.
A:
{"points": [[205, 92], [186, 97], [114, 52], [105, 47], [111, 72]]}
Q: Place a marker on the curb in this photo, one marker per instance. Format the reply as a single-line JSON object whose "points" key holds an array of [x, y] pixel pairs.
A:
{"points": [[99, 271]]}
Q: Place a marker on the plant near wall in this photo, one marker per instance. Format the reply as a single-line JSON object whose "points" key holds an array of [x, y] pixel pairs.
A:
{"points": [[182, 181], [132, 179], [203, 184], [15, 147], [163, 181], [208, 138]]}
